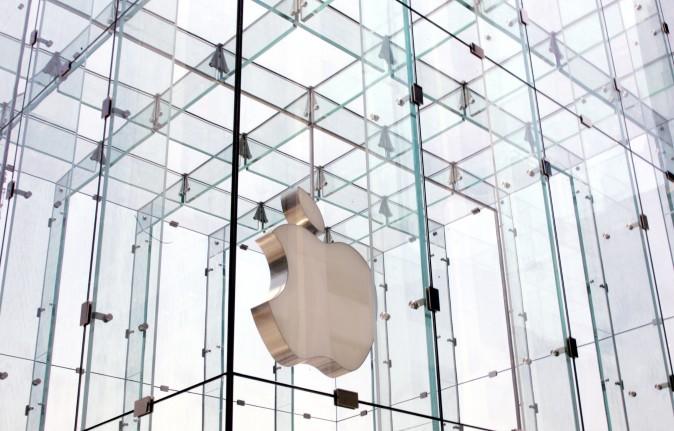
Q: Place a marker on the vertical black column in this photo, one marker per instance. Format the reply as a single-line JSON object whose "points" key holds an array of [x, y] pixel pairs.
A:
{"points": [[231, 291]]}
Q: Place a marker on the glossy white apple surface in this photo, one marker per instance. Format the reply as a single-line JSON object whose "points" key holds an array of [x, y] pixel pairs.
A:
{"points": [[320, 310]]}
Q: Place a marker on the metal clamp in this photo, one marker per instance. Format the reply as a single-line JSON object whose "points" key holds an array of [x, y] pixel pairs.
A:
{"points": [[87, 314], [143, 406], [35, 39], [346, 399]]}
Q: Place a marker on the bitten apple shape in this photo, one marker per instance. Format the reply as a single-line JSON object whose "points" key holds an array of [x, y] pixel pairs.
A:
{"points": [[321, 306]]}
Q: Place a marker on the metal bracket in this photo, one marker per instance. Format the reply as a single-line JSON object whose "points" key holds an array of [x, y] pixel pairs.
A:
{"points": [[477, 51], [184, 188], [643, 222], [39, 311], [665, 28], [571, 347], [668, 384], [4, 375], [417, 94], [87, 313], [241, 403], [12, 190], [143, 406], [346, 399], [546, 168], [107, 109], [669, 175], [156, 113], [432, 299], [34, 39]]}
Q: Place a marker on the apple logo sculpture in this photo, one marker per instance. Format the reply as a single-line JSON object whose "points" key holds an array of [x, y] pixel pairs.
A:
{"points": [[321, 306]]}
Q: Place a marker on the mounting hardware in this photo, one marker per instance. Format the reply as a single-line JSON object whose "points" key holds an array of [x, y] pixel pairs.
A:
{"points": [[417, 94], [669, 175], [477, 50], [164, 388], [27, 410], [50, 220], [13, 190], [174, 223], [143, 406], [632, 394], [204, 351], [207, 271], [306, 415], [36, 382], [585, 121], [143, 327], [79, 370], [432, 299], [475, 211], [452, 340], [546, 168], [388, 362], [34, 39], [346, 399], [415, 305], [184, 188], [134, 247], [423, 395], [218, 61], [492, 374], [156, 113], [107, 109], [39, 311], [643, 222], [312, 105], [534, 407], [665, 28], [571, 347], [386, 52], [240, 403], [98, 155], [298, 6], [243, 247], [384, 316], [363, 413], [4, 375], [524, 17], [87, 313], [668, 384], [128, 332]]}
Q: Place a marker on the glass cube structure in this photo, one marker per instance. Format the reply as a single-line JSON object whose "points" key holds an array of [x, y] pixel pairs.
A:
{"points": [[504, 167]]}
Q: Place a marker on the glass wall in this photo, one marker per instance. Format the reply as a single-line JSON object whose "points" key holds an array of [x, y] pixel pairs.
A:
{"points": [[221, 215]]}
